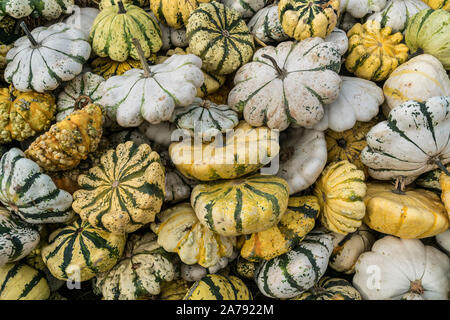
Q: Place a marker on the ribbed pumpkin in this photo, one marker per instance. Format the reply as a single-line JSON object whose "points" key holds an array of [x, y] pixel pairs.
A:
{"points": [[438, 4], [428, 32], [247, 150], [373, 51], [144, 267], [220, 37], [24, 114], [303, 19], [347, 145], [48, 9], [409, 214], [17, 238], [444, 181], [298, 219], [115, 27], [265, 25], [21, 282], [124, 192], [69, 141], [180, 231], [217, 287], [241, 206], [79, 252], [108, 68], [341, 190], [331, 289], [174, 13], [174, 290]]}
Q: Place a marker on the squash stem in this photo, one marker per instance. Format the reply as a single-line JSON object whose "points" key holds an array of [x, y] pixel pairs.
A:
{"points": [[121, 7], [259, 41], [275, 65], [29, 35], [399, 186], [81, 102], [144, 63], [442, 167]]}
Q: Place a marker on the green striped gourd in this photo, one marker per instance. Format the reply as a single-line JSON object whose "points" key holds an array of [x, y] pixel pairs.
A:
{"points": [[30, 194], [48, 9], [21, 282], [265, 25], [108, 3], [220, 37], [430, 179], [413, 140], [17, 239], [246, 8], [217, 287], [331, 289], [79, 251], [293, 273], [140, 272]]}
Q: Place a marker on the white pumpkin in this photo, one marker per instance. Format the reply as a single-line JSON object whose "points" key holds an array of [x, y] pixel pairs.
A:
{"points": [[397, 13], [288, 84], [419, 79], [359, 100], [265, 25], [246, 8], [46, 57], [303, 155], [160, 133], [338, 37], [414, 140], [153, 93], [396, 268], [360, 8], [348, 248], [82, 18], [47, 9], [298, 270], [443, 239]]}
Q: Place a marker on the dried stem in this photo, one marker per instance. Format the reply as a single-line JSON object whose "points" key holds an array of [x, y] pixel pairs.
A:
{"points": [[144, 63]]}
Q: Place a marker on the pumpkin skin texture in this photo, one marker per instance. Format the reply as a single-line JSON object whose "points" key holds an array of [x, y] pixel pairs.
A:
{"points": [[172, 83], [410, 142], [24, 114], [430, 180], [298, 219], [438, 4], [428, 30], [415, 214], [348, 248], [420, 78], [303, 19], [373, 51], [290, 89], [444, 181], [298, 270], [81, 248], [330, 289], [141, 271], [69, 141], [176, 13], [108, 3], [403, 267], [17, 239], [30, 194], [124, 192], [222, 49], [349, 144], [82, 18], [21, 282], [341, 190], [48, 9], [265, 25], [117, 26], [244, 268], [443, 239], [58, 56], [217, 287], [359, 9], [108, 68], [242, 206], [247, 150], [180, 231], [302, 157]]}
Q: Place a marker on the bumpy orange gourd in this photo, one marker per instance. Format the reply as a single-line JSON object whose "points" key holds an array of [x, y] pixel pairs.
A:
{"points": [[68, 141]]}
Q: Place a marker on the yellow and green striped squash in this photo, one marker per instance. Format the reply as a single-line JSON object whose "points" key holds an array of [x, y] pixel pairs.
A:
{"points": [[217, 287], [244, 152], [303, 19], [331, 289], [116, 26], [108, 3], [373, 52], [80, 252], [174, 13], [341, 190], [296, 222], [21, 282], [124, 192], [220, 37], [438, 4], [180, 231], [241, 206], [108, 68]]}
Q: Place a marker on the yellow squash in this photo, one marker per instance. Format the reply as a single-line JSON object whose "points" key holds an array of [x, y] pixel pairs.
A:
{"points": [[341, 190], [174, 13], [444, 181], [410, 214], [174, 290], [108, 68], [438, 4], [297, 221], [217, 287], [21, 282], [373, 51]]}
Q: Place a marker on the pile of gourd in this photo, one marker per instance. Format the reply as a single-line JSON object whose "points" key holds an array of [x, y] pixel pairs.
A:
{"points": [[318, 194]]}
